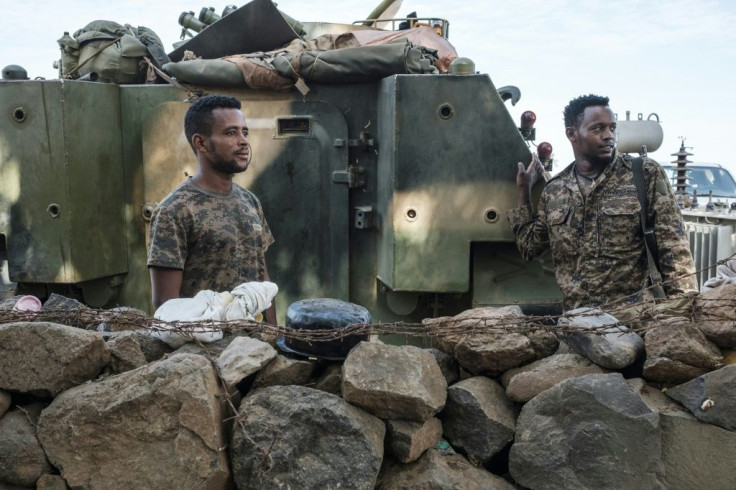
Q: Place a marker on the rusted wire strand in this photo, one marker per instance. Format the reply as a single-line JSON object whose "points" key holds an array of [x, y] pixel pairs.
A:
{"points": [[638, 316]]}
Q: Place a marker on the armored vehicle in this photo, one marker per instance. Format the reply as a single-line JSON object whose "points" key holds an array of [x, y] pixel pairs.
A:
{"points": [[390, 193]]}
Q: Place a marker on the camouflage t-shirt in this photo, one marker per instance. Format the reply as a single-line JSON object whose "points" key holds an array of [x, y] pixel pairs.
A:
{"points": [[596, 238], [218, 240]]}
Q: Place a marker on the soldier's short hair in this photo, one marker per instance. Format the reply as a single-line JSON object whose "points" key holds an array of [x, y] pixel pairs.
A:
{"points": [[199, 117], [574, 111]]}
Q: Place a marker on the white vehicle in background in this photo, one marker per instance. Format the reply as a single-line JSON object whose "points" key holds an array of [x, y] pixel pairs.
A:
{"points": [[709, 208], [711, 183]]}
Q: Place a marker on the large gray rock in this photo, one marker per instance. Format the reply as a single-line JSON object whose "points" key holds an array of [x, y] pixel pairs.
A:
{"points": [[448, 365], [656, 400], [490, 340], [159, 426], [587, 432], [282, 370], [125, 352], [544, 343], [7, 304], [51, 482], [435, 471], [710, 397], [716, 315], [22, 461], [666, 371], [298, 437], [394, 382], [123, 319], [330, 380], [697, 455], [493, 353], [57, 302], [214, 349], [448, 331], [524, 383], [597, 336], [43, 359], [478, 419], [722, 333], [408, 440], [688, 445], [677, 351], [241, 358], [67, 311], [152, 348]]}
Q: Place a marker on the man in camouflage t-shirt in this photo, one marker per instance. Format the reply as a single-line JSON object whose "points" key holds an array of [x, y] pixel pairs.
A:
{"points": [[589, 215], [210, 233]]}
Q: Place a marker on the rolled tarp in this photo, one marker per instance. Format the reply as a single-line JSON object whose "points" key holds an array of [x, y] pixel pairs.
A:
{"points": [[357, 64], [278, 70]]}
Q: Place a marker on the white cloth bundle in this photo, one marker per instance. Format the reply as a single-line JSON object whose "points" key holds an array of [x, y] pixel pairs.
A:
{"points": [[725, 274], [245, 302], [249, 300]]}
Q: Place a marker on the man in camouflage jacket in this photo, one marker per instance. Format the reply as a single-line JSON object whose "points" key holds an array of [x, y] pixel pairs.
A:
{"points": [[210, 233], [589, 215]]}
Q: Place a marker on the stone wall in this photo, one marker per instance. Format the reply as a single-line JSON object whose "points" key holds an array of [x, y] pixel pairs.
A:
{"points": [[554, 407]]}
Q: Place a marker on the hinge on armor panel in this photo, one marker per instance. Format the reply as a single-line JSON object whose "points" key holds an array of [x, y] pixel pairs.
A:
{"points": [[353, 176], [364, 142]]}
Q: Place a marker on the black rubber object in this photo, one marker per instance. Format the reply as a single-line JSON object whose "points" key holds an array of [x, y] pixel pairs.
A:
{"points": [[324, 314]]}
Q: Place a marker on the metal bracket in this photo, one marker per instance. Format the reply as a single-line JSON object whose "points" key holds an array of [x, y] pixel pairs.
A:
{"points": [[364, 142], [353, 176], [364, 217]]}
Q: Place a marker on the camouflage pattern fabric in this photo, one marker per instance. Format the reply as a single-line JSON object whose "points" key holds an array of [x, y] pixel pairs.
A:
{"points": [[218, 240], [596, 238]]}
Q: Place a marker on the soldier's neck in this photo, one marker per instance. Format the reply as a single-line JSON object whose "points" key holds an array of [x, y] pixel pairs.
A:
{"points": [[212, 181], [585, 167]]}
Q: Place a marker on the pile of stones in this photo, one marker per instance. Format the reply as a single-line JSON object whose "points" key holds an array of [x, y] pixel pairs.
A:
{"points": [[557, 408]]}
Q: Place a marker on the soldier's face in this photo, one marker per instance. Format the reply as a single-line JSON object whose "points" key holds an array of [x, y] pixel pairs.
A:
{"points": [[227, 146], [595, 139]]}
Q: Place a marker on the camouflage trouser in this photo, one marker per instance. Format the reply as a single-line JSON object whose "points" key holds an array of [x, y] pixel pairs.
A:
{"points": [[637, 316]]}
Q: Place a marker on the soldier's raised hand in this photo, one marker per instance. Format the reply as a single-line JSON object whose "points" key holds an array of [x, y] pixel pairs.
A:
{"points": [[526, 177], [529, 175]]}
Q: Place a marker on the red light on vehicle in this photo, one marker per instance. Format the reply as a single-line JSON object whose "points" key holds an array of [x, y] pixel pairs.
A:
{"points": [[544, 150], [528, 118]]}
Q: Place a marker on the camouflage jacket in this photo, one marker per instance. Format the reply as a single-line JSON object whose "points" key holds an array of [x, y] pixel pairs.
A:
{"points": [[596, 240], [218, 240]]}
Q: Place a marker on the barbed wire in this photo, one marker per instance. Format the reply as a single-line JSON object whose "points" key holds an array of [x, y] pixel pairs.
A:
{"points": [[635, 317]]}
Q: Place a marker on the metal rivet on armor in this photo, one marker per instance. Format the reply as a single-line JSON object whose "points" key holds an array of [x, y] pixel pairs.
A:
{"points": [[445, 111], [54, 210], [411, 214], [491, 215], [19, 114], [147, 210]]}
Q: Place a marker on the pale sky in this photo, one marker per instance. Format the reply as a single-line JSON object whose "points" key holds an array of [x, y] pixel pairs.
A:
{"points": [[675, 58]]}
